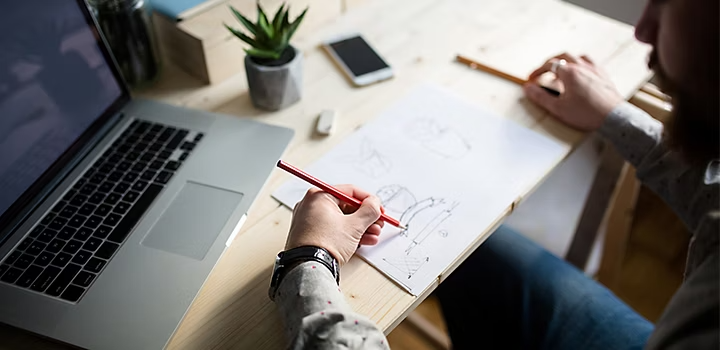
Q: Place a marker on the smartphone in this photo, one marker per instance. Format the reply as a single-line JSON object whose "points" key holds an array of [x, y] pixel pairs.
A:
{"points": [[358, 61]]}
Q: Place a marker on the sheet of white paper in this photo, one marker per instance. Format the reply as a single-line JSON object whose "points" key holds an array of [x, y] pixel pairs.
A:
{"points": [[440, 165]]}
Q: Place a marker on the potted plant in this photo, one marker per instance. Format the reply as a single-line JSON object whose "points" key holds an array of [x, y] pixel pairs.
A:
{"points": [[273, 66]]}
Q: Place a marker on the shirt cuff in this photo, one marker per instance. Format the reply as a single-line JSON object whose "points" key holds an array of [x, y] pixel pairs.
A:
{"points": [[626, 116], [632, 131], [308, 288]]}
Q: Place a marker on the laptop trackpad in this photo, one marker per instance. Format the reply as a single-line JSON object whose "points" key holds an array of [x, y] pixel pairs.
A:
{"points": [[194, 219]]}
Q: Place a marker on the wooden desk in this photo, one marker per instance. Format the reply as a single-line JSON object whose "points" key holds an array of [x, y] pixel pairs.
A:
{"points": [[420, 39]]}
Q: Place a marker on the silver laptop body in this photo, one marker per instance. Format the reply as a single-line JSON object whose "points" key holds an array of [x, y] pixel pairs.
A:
{"points": [[144, 287]]}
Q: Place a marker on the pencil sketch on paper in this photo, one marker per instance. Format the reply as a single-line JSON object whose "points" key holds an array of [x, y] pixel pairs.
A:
{"points": [[439, 139], [422, 219], [433, 135], [369, 160], [408, 265], [430, 227]]}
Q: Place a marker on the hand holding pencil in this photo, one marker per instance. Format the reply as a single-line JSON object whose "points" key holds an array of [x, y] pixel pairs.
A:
{"points": [[322, 220], [337, 218], [343, 197]]}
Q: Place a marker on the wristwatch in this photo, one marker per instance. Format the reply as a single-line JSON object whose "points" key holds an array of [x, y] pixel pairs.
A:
{"points": [[290, 258]]}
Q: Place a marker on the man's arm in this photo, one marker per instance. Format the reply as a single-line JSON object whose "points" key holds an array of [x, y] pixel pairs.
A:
{"points": [[317, 316], [314, 311], [691, 191], [589, 102]]}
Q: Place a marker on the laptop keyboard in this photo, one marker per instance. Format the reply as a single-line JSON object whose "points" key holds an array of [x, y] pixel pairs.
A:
{"points": [[72, 244]]}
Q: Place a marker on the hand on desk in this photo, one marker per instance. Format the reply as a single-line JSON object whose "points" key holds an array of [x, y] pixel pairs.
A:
{"points": [[321, 220], [588, 95]]}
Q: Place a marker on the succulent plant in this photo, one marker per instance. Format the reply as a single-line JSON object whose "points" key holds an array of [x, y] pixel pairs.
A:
{"points": [[270, 38]]}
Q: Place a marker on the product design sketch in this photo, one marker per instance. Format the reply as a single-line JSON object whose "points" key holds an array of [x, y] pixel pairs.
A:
{"points": [[408, 265], [422, 219], [439, 139], [427, 157], [369, 160]]}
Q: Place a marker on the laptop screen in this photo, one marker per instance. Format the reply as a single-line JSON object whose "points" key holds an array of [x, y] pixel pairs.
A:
{"points": [[57, 87]]}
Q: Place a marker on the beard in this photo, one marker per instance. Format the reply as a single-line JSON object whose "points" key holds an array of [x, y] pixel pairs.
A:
{"points": [[694, 126]]}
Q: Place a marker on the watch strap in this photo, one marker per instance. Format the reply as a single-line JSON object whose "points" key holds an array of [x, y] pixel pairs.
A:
{"points": [[311, 253], [291, 258]]}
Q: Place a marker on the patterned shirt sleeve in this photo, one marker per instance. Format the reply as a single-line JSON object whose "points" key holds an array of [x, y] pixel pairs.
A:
{"points": [[690, 190], [317, 316]]}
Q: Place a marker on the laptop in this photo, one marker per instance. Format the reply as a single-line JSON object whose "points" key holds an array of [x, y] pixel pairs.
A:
{"points": [[113, 211]]}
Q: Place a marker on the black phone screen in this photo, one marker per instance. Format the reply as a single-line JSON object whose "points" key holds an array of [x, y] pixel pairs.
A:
{"points": [[358, 56]]}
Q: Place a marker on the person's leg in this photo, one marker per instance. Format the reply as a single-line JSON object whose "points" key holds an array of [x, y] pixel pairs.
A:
{"points": [[513, 294]]}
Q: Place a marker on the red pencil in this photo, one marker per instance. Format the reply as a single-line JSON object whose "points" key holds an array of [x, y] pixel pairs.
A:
{"points": [[332, 190]]}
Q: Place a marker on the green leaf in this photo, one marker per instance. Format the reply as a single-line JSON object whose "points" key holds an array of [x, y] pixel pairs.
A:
{"points": [[280, 43], [295, 24], [284, 41], [260, 53], [263, 22], [277, 19], [270, 39], [285, 22], [246, 22], [261, 37], [240, 35]]}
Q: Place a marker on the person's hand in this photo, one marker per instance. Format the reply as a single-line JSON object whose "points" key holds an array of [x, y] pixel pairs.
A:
{"points": [[323, 221], [587, 94]]}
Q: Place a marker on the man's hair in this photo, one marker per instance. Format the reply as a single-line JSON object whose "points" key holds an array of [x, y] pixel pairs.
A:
{"points": [[694, 126]]}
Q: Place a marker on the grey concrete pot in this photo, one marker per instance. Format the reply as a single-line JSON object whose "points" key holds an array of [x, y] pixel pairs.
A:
{"points": [[274, 88]]}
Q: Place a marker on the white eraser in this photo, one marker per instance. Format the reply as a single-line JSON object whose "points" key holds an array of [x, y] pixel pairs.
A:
{"points": [[325, 122]]}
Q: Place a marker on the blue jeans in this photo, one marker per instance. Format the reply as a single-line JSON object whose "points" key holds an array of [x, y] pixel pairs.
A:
{"points": [[513, 294]]}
